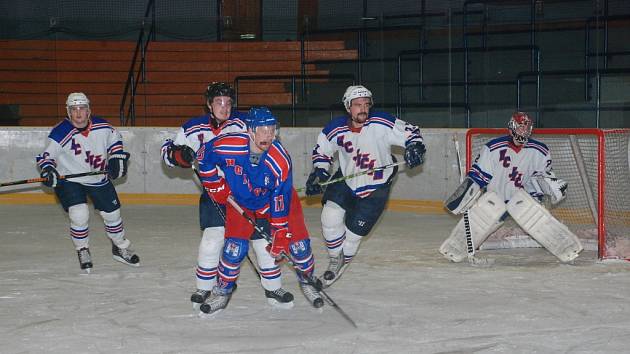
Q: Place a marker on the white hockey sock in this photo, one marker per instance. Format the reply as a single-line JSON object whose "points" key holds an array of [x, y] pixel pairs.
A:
{"points": [[114, 228], [79, 231], [267, 267], [351, 245], [208, 258], [333, 227]]}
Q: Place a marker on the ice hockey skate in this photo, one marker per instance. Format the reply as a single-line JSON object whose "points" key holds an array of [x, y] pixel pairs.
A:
{"points": [[85, 259], [125, 255], [336, 267], [217, 301], [199, 297], [279, 298], [312, 295]]}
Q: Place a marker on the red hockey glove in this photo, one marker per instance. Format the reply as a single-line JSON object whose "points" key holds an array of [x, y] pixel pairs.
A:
{"points": [[280, 243], [219, 191]]}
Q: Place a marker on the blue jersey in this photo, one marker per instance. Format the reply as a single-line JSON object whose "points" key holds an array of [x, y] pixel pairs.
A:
{"points": [[262, 187]]}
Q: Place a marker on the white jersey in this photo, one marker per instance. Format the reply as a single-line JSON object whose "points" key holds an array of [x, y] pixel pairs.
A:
{"points": [[72, 151], [504, 168], [198, 131], [363, 149]]}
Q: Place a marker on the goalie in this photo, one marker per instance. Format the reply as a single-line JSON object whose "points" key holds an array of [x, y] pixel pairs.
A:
{"points": [[515, 172]]}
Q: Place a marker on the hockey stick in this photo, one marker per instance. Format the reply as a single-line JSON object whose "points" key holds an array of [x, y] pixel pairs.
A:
{"points": [[42, 179], [462, 173], [343, 178], [314, 283], [222, 215]]}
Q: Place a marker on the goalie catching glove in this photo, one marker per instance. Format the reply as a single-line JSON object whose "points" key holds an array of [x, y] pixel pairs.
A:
{"points": [[180, 155], [280, 244], [117, 164], [547, 184], [218, 190]]}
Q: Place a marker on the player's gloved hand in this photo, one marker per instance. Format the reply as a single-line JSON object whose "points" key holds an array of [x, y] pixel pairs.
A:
{"points": [[218, 190], [117, 164], [280, 244], [180, 155], [316, 177], [51, 175], [414, 154]]}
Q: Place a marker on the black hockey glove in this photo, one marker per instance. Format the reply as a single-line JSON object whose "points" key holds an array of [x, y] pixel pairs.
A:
{"points": [[51, 175], [316, 177], [414, 154], [180, 155], [117, 164]]}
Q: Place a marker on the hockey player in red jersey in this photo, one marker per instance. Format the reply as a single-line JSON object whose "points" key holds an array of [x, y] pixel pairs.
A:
{"points": [[82, 143], [258, 176], [221, 119], [363, 140]]}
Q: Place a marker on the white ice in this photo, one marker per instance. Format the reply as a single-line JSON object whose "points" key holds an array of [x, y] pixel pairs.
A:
{"points": [[404, 297]]}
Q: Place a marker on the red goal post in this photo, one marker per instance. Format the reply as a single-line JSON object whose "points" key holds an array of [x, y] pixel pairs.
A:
{"points": [[595, 163]]}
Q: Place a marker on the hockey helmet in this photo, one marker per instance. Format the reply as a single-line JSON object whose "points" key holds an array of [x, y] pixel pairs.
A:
{"points": [[76, 99], [216, 89], [355, 91], [520, 126], [259, 117]]}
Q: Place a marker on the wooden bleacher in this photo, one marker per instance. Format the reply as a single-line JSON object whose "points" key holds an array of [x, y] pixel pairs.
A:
{"points": [[37, 75]]}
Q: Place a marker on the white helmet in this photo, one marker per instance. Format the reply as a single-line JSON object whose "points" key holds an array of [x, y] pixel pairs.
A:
{"points": [[76, 99], [353, 92]]}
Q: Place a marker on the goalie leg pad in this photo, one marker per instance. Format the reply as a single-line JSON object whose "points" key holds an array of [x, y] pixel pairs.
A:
{"points": [[464, 197], [484, 218], [538, 222]]}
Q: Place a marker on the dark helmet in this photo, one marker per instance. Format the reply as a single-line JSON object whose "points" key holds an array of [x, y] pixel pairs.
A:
{"points": [[217, 89]]}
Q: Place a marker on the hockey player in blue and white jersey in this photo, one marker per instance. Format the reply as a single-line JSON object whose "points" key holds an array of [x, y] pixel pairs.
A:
{"points": [[258, 176], [515, 171], [221, 119], [81, 143], [363, 140]]}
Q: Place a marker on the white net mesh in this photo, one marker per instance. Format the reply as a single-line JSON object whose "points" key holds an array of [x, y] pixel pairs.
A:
{"points": [[576, 159]]}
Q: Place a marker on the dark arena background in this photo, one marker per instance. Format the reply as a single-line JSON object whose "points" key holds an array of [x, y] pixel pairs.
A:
{"points": [[458, 69]]}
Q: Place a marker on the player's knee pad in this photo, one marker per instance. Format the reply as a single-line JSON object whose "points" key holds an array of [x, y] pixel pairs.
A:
{"points": [[351, 244], [210, 246], [112, 217], [538, 222], [79, 215], [479, 221], [235, 250]]}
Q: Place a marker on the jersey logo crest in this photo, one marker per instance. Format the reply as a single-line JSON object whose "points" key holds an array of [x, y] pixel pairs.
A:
{"points": [[229, 162]]}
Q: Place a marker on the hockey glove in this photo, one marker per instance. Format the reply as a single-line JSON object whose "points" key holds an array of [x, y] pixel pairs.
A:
{"points": [[316, 177], [117, 164], [280, 244], [51, 175], [180, 155], [414, 154], [219, 191]]}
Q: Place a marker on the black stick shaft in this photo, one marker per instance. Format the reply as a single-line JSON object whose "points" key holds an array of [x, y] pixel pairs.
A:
{"points": [[41, 179]]}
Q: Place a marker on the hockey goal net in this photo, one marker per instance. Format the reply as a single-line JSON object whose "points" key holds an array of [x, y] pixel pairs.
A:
{"points": [[595, 163]]}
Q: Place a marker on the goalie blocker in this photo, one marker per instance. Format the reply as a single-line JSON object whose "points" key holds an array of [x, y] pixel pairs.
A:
{"points": [[485, 217]]}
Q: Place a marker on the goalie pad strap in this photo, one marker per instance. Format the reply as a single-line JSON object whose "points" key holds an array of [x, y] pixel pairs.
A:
{"points": [[538, 222]]}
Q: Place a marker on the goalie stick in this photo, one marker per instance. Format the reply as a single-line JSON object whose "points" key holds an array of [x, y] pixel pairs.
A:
{"points": [[41, 179], [314, 283], [343, 178]]}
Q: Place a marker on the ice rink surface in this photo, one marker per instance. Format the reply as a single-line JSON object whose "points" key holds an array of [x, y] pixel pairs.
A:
{"points": [[404, 297]]}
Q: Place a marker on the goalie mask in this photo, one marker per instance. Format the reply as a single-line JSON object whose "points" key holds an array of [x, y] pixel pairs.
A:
{"points": [[353, 92], [520, 126]]}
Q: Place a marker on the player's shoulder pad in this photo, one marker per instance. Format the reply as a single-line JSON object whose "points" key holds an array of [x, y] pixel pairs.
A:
{"points": [[100, 123], [195, 121], [62, 131], [231, 140], [537, 145], [499, 142], [384, 116], [239, 118], [335, 126], [278, 160]]}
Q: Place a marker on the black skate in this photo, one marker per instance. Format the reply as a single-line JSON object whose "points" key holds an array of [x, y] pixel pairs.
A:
{"points": [[125, 255], [85, 259], [312, 295], [336, 267], [279, 298], [199, 297], [217, 301]]}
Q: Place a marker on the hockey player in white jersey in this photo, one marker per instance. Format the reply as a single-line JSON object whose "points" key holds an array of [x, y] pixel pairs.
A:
{"points": [[363, 140], [515, 171], [82, 143]]}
